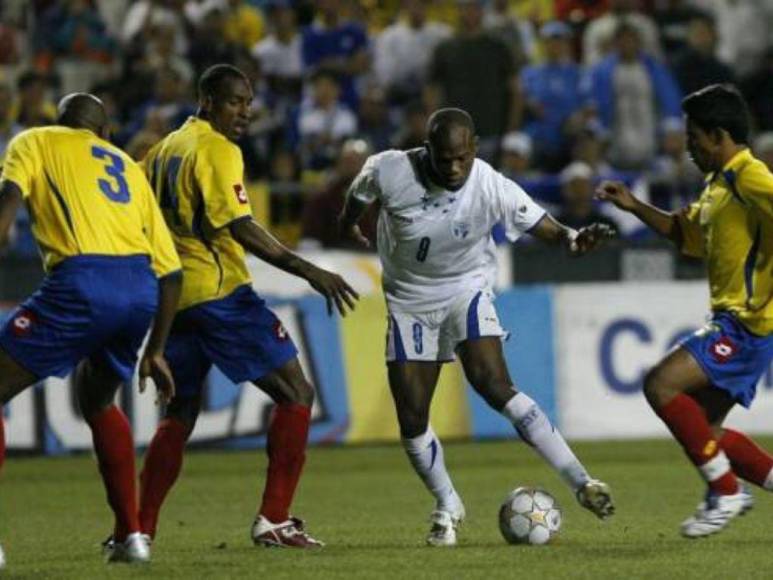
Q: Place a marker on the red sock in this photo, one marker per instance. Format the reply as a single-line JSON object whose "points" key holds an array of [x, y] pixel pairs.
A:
{"points": [[163, 462], [687, 422], [114, 447], [2, 438], [286, 450], [749, 461]]}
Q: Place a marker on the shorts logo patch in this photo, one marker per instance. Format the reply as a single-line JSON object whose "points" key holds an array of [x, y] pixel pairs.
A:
{"points": [[280, 331], [241, 194], [723, 349], [23, 322]]}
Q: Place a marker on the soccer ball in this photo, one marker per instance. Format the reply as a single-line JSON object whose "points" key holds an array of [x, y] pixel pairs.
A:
{"points": [[529, 516]]}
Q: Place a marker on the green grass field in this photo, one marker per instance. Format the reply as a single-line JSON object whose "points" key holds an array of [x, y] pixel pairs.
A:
{"points": [[371, 510]]}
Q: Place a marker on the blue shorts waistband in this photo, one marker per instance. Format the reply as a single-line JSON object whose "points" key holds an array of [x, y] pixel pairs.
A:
{"points": [[104, 260]]}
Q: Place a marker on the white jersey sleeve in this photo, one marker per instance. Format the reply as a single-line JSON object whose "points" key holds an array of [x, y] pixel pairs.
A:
{"points": [[516, 210], [366, 187]]}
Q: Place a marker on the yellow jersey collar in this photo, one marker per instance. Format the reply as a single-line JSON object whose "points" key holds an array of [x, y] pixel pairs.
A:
{"points": [[738, 160], [203, 123]]}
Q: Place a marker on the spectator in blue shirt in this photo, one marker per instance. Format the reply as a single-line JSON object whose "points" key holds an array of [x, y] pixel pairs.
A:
{"points": [[551, 95], [632, 93], [338, 46]]}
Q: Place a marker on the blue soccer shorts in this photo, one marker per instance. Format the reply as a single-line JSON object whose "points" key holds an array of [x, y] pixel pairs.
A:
{"points": [[239, 334], [97, 307], [733, 358]]}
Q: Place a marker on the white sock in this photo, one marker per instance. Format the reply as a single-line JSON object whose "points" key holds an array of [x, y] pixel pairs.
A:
{"points": [[426, 455], [535, 428]]}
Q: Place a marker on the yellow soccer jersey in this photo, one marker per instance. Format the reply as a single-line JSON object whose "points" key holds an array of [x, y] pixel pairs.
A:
{"points": [[86, 196], [731, 226], [197, 175]]}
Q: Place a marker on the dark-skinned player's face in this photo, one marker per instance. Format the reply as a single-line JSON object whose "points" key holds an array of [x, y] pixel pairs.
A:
{"points": [[452, 156], [702, 147], [229, 109]]}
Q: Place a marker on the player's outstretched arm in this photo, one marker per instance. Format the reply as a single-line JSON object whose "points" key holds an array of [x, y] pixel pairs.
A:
{"points": [[349, 218], [257, 240], [548, 229], [10, 198], [153, 363], [662, 222]]}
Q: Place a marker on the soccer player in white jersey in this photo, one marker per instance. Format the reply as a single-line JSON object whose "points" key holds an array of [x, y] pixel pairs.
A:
{"points": [[438, 206]]}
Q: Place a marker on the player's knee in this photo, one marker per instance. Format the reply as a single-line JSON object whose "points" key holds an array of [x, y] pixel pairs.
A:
{"points": [[656, 388], [412, 423], [303, 394], [185, 410]]}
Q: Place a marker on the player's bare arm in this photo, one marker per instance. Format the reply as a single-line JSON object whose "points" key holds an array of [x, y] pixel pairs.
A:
{"points": [[548, 229], [10, 198], [662, 222], [261, 243], [348, 221], [153, 363]]}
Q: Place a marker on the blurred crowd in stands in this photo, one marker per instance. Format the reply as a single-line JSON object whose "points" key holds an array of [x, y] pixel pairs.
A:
{"points": [[563, 92]]}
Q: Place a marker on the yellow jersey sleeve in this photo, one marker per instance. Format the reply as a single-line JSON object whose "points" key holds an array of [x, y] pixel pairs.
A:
{"points": [[690, 226], [756, 188], [22, 162], [219, 172], [163, 258]]}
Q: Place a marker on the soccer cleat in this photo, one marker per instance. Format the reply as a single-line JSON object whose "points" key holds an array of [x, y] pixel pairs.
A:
{"points": [[134, 550], [596, 496], [288, 534], [715, 512], [444, 526], [2, 558]]}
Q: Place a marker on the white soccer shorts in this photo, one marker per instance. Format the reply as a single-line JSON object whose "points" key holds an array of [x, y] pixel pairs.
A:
{"points": [[434, 335]]}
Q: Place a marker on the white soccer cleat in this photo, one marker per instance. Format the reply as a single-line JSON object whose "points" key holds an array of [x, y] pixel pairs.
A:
{"points": [[288, 534], [134, 550], [444, 526], [596, 496], [2, 558], [715, 512]]}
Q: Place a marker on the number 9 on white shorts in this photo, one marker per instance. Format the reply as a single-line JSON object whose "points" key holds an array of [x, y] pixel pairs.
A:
{"points": [[434, 335]]}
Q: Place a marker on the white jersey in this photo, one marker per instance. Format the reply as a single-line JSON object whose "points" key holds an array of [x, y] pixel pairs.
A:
{"points": [[435, 244]]}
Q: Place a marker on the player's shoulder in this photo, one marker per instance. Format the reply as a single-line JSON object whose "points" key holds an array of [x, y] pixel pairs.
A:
{"points": [[215, 145], [29, 136], [751, 175], [388, 158]]}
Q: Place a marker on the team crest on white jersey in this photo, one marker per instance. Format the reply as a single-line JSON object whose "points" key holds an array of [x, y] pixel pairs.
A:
{"points": [[461, 229]]}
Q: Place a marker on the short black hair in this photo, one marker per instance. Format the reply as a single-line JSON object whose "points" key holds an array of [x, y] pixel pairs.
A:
{"points": [[211, 80], [719, 106], [443, 121]]}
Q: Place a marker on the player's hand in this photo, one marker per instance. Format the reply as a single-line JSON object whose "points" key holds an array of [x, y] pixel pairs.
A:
{"points": [[334, 288], [355, 233], [154, 366], [617, 193], [589, 238]]}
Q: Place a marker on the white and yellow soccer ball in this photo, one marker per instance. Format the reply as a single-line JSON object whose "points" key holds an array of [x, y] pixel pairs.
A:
{"points": [[529, 516]]}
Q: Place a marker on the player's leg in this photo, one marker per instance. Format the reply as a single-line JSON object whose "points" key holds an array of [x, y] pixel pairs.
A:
{"points": [[96, 384], [675, 389], [164, 457], [484, 365], [13, 379], [412, 384], [288, 434]]}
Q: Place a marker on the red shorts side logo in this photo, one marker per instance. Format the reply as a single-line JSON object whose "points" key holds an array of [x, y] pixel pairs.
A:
{"points": [[723, 349], [22, 323]]}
